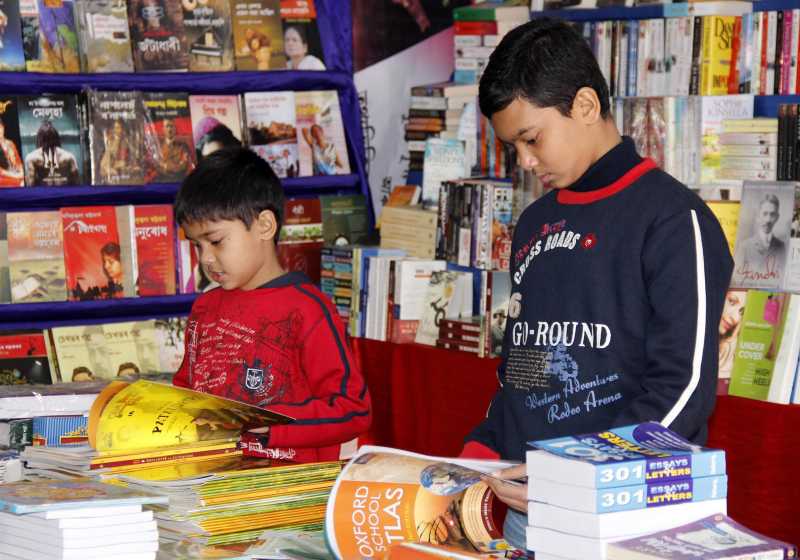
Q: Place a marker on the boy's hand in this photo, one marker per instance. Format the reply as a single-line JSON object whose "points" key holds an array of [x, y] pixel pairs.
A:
{"points": [[514, 495]]}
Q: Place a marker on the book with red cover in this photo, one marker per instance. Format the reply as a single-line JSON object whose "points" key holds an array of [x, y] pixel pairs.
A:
{"points": [[300, 243], [23, 359], [35, 256], [167, 137], [92, 253], [155, 250]]}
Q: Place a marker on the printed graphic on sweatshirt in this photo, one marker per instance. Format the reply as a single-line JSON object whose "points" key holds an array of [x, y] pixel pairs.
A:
{"points": [[549, 237], [246, 364], [561, 392]]}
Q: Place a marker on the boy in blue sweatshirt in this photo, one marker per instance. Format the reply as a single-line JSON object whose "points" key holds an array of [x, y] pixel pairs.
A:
{"points": [[618, 273]]}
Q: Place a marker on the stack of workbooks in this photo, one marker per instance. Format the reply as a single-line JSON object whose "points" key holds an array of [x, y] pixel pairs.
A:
{"points": [[76, 520], [234, 499], [589, 490]]}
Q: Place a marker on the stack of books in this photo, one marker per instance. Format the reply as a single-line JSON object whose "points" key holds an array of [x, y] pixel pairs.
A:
{"points": [[749, 150], [466, 335], [76, 520], [233, 500], [10, 466], [589, 490]]}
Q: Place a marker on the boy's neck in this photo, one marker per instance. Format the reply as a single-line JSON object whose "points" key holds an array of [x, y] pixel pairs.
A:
{"points": [[271, 270], [612, 158]]}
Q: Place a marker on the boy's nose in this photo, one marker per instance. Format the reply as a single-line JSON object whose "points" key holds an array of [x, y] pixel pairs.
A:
{"points": [[526, 160]]}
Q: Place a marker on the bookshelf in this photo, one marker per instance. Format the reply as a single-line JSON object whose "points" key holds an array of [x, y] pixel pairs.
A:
{"points": [[765, 105], [335, 32]]}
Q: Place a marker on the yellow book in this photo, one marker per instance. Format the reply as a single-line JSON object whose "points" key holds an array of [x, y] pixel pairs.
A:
{"points": [[727, 212], [144, 415], [717, 49]]}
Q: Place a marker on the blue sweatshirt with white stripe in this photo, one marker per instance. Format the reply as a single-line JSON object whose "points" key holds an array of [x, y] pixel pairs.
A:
{"points": [[617, 284]]}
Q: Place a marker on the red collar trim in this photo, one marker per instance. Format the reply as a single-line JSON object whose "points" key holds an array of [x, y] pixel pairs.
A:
{"points": [[567, 196]]}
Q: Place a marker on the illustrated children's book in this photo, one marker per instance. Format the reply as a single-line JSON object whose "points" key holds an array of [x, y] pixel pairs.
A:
{"points": [[12, 58], [168, 137], [320, 134], [405, 496], [257, 35], [623, 456], [35, 256], [216, 119]]}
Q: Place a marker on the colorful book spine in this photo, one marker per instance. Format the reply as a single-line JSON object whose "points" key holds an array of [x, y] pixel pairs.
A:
{"points": [[60, 431]]}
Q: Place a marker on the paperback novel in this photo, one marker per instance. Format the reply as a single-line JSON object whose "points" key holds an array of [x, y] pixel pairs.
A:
{"points": [[158, 36], [208, 35], [23, 359], [301, 40], [12, 57], [155, 250], [216, 122], [168, 137], [116, 136], [272, 131], [35, 256], [11, 168], [50, 36], [257, 35], [320, 134], [300, 244], [105, 36]]}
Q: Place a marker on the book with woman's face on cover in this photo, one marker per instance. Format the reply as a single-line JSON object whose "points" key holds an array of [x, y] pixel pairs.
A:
{"points": [[116, 137]]}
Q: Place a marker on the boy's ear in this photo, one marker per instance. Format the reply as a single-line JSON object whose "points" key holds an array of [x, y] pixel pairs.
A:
{"points": [[267, 225], [586, 106]]}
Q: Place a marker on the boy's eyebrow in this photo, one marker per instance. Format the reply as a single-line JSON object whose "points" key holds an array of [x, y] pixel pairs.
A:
{"points": [[522, 131]]}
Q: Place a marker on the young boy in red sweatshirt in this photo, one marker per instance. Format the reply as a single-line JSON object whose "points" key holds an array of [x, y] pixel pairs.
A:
{"points": [[264, 337]]}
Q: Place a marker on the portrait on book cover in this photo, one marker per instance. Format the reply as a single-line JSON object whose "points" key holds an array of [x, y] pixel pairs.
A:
{"points": [[762, 243]]}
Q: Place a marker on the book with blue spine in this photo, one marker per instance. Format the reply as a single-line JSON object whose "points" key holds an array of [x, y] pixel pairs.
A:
{"points": [[624, 498], [48, 495], [622, 457]]}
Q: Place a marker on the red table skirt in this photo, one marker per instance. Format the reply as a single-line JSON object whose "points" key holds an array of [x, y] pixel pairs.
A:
{"points": [[427, 399]]}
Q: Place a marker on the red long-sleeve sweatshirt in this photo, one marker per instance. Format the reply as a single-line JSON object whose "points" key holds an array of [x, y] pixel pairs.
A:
{"points": [[281, 346]]}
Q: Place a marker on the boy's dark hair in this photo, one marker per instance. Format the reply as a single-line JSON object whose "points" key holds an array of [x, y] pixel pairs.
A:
{"points": [[544, 62], [230, 184]]}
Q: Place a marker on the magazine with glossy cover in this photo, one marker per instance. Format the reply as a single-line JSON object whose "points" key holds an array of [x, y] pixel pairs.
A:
{"points": [[623, 456], [385, 496]]}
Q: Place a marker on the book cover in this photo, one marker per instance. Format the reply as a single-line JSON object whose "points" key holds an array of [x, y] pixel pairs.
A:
{"points": [[713, 110], [301, 40], [209, 35], [623, 456], [47, 495], [791, 277], [758, 344], [60, 431], [12, 57], [23, 359], [129, 348], [51, 145], [320, 134], [727, 213], [170, 342], [168, 137], [92, 253], [11, 168], [716, 47], [653, 494], [155, 250], [157, 35], [713, 538], [35, 256], [498, 301], [50, 36], [271, 129], [105, 36], [444, 161], [440, 291], [257, 35], [216, 122], [81, 355], [345, 220], [413, 497], [762, 241], [116, 137], [300, 244], [730, 325]]}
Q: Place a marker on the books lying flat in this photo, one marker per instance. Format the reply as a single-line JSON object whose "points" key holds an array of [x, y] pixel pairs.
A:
{"points": [[713, 538], [110, 522], [558, 544], [619, 523], [28, 497], [29, 401], [33, 550], [623, 498], [622, 457]]}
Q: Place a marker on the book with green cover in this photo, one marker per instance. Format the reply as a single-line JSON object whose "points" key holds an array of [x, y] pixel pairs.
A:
{"points": [[506, 11], [757, 347]]}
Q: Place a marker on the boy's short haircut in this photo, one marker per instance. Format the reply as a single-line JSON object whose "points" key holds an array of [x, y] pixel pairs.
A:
{"points": [[230, 184], [544, 62]]}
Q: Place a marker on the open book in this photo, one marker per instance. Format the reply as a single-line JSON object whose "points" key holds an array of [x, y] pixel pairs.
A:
{"points": [[146, 422], [386, 496]]}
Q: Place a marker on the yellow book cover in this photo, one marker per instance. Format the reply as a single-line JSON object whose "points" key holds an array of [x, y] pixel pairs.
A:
{"points": [[727, 212], [148, 415], [717, 48]]}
